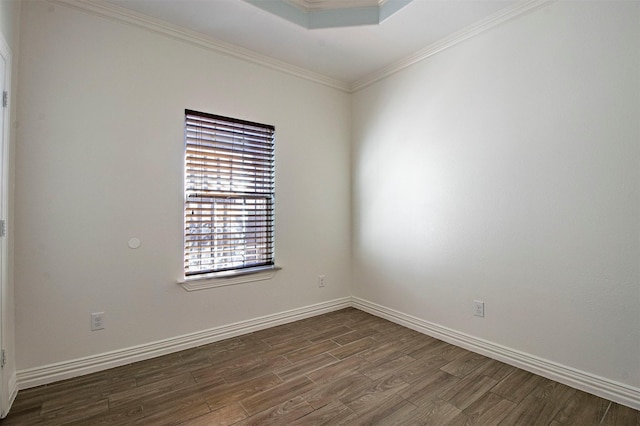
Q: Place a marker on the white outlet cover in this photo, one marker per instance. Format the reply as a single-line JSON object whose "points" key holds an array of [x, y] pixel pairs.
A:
{"points": [[97, 321], [478, 308]]}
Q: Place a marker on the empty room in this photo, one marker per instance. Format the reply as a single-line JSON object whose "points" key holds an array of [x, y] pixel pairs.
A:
{"points": [[235, 212]]}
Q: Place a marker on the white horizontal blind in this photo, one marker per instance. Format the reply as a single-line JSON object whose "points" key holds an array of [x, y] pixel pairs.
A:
{"points": [[229, 194]]}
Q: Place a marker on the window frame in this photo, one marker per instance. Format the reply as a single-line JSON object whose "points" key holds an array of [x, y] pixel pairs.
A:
{"points": [[243, 187]]}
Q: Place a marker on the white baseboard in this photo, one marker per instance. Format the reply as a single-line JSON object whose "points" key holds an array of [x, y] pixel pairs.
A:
{"points": [[611, 390], [65, 370]]}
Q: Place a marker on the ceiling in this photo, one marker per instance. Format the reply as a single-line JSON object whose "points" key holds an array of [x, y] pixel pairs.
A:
{"points": [[344, 54]]}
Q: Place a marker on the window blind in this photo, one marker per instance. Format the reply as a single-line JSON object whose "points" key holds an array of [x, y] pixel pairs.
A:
{"points": [[229, 194]]}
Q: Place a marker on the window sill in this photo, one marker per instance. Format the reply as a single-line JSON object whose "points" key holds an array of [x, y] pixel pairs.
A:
{"points": [[223, 279]]}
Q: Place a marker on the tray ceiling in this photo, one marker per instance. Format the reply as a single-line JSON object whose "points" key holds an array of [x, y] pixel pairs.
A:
{"points": [[346, 54]]}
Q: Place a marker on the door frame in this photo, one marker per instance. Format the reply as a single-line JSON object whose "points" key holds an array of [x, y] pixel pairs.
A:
{"points": [[5, 85]]}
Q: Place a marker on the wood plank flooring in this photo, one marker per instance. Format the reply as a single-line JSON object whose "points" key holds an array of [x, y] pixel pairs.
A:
{"points": [[342, 368]]}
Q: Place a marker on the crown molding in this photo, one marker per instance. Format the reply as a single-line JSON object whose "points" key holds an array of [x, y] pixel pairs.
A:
{"points": [[457, 37], [139, 20], [315, 14], [311, 5]]}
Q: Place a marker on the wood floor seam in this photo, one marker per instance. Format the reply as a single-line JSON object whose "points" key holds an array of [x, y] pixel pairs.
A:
{"points": [[605, 413]]}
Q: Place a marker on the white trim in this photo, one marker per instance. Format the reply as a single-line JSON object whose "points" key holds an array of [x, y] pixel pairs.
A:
{"points": [[67, 369], [609, 389], [311, 5], [120, 14], [13, 392], [331, 13], [600, 386], [472, 30], [213, 281], [5, 142]]}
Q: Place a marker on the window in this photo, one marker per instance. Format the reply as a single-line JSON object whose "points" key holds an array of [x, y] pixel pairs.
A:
{"points": [[229, 194]]}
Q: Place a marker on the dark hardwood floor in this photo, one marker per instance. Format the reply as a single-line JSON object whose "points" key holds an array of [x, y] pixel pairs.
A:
{"points": [[345, 367]]}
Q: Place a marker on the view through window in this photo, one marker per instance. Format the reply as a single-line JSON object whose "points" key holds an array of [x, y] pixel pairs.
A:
{"points": [[229, 194]]}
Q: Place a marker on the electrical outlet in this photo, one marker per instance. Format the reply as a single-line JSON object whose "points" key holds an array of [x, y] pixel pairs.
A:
{"points": [[97, 321], [321, 281], [478, 308]]}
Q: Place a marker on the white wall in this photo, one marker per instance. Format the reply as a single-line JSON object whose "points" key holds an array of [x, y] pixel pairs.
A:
{"points": [[100, 159], [507, 169], [504, 169], [9, 20]]}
